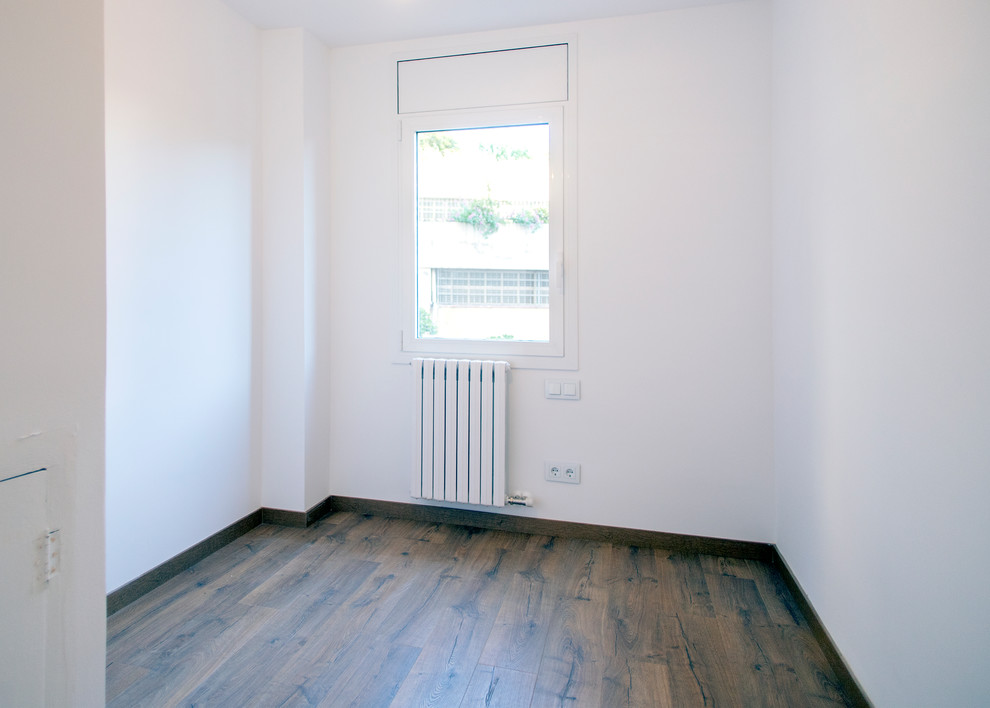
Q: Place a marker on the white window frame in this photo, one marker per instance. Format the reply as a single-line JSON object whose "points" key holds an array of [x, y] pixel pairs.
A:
{"points": [[561, 351]]}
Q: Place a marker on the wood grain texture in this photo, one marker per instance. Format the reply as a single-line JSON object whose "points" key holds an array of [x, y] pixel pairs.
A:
{"points": [[497, 687], [362, 610]]}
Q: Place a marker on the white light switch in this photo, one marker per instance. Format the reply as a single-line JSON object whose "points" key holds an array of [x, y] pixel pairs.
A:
{"points": [[562, 389]]}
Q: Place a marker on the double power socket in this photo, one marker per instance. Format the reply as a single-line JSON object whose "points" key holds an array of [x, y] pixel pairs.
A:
{"points": [[567, 472]]}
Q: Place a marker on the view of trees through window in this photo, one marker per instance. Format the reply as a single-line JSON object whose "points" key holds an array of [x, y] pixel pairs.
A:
{"points": [[482, 244]]}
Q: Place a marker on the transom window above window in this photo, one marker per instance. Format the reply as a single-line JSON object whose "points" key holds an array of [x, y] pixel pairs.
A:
{"points": [[485, 204]]}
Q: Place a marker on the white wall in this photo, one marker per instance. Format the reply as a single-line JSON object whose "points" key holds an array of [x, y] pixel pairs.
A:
{"points": [[317, 207], [296, 199], [52, 355], [283, 263], [882, 334], [183, 127], [674, 428]]}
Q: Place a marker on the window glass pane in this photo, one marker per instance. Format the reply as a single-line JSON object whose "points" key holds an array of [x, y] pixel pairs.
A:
{"points": [[482, 233], [491, 287]]}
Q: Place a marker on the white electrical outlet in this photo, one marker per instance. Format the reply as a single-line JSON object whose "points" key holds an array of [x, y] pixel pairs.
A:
{"points": [[567, 472]]}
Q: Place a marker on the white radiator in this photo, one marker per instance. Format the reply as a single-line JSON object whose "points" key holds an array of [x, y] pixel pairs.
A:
{"points": [[459, 430]]}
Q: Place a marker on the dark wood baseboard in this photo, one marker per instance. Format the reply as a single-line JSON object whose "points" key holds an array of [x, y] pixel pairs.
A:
{"points": [[319, 511], [144, 584], [296, 519], [283, 517], [675, 542], [855, 695]]}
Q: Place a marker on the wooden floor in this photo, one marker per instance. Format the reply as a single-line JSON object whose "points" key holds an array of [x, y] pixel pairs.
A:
{"points": [[369, 611]]}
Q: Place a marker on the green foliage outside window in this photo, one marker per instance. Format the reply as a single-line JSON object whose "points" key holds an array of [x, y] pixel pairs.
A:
{"points": [[440, 142], [426, 323], [501, 152], [531, 218], [482, 214]]}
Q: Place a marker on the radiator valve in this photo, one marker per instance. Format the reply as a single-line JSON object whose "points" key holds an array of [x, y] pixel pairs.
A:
{"points": [[519, 499]]}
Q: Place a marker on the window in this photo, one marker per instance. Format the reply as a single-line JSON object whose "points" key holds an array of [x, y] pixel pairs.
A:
{"points": [[484, 220], [483, 232]]}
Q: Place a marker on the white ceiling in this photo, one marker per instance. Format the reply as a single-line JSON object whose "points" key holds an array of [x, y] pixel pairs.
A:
{"points": [[347, 22]]}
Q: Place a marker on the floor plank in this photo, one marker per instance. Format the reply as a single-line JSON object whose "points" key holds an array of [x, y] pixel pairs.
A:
{"points": [[518, 637], [382, 673], [682, 587], [120, 676], [497, 687], [699, 668], [636, 684], [248, 673], [573, 662]]}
